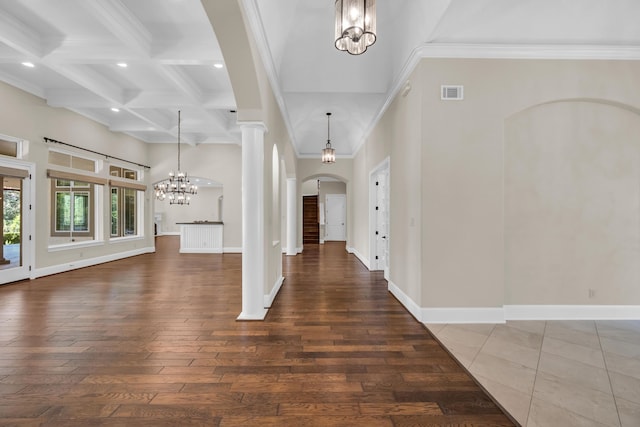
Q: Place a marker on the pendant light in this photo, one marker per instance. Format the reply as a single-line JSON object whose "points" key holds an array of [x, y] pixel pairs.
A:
{"points": [[355, 25], [328, 153], [177, 187]]}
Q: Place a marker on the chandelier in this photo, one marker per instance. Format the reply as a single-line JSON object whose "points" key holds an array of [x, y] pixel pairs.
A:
{"points": [[355, 25], [328, 153], [177, 187]]}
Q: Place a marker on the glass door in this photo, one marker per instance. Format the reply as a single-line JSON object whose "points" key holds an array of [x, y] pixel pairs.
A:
{"points": [[15, 233]]}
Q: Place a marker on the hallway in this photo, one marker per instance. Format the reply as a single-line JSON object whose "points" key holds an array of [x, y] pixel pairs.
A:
{"points": [[153, 341]]}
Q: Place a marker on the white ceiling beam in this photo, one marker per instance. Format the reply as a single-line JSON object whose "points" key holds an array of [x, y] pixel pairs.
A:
{"points": [[119, 20], [16, 35], [90, 80]]}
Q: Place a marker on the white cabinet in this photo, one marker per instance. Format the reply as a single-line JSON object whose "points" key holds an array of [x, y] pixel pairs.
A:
{"points": [[201, 237]]}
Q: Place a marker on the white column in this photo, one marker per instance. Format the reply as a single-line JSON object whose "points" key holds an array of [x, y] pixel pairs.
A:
{"points": [[253, 224], [292, 215]]}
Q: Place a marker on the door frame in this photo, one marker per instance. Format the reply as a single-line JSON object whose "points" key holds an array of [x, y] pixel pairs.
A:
{"points": [[373, 263], [344, 215], [27, 271]]}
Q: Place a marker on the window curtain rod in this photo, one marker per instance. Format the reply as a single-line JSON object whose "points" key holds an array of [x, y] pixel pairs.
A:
{"points": [[95, 152]]}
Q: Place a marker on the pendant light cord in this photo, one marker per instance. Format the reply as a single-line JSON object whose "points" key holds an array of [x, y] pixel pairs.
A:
{"points": [[178, 141], [328, 131]]}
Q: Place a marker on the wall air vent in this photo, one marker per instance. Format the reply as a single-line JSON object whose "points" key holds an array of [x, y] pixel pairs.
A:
{"points": [[451, 93]]}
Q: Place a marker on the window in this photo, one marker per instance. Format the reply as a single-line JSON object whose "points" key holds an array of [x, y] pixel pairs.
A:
{"points": [[71, 161], [124, 202], [72, 201]]}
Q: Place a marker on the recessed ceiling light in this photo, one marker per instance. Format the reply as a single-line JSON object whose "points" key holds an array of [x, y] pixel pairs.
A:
{"points": [[122, 64], [28, 64], [115, 110], [218, 65]]}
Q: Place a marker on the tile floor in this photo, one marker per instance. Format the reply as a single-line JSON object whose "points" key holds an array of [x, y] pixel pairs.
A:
{"points": [[554, 373]]}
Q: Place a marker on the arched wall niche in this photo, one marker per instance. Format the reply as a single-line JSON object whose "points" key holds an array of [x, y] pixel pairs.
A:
{"points": [[572, 203]]}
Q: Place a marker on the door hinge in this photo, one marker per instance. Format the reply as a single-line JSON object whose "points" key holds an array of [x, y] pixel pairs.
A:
{"points": [[377, 183], [376, 256], [376, 208], [29, 207], [376, 233], [29, 236], [29, 176], [29, 268]]}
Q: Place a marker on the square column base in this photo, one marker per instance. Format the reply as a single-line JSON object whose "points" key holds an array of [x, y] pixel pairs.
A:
{"points": [[260, 315]]}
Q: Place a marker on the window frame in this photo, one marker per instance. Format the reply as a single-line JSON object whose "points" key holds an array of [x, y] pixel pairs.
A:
{"points": [[126, 187], [89, 189]]}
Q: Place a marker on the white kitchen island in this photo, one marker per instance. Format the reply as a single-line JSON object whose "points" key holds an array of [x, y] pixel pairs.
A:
{"points": [[200, 237]]}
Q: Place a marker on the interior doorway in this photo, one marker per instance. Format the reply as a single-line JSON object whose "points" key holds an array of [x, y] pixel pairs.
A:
{"points": [[379, 218], [310, 224]]}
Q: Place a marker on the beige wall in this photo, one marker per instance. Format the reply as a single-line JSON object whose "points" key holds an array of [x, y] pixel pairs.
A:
{"points": [[28, 117], [572, 175], [219, 162], [310, 187], [203, 206], [526, 192]]}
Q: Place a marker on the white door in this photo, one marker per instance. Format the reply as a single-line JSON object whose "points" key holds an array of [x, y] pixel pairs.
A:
{"points": [[335, 205], [15, 253], [382, 221]]}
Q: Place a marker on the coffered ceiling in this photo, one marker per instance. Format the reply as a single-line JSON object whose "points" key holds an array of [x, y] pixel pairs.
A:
{"points": [[170, 52]]}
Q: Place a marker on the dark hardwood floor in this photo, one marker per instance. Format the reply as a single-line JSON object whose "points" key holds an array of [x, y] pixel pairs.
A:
{"points": [[153, 341]]}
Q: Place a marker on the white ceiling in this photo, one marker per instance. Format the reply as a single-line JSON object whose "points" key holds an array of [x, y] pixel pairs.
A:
{"points": [[170, 49]]}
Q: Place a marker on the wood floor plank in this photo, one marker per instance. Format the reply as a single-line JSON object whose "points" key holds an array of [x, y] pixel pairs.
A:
{"points": [[153, 341]]}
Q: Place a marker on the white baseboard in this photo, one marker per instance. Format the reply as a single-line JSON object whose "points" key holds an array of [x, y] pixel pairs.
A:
{"points": [[299, 250], [361, 257], [268, 299], [200, 251], [169, 233], [88, 262], [232, 250], [405, 300], [322, 241], [572, 312], [513, 312], [463, 315]]}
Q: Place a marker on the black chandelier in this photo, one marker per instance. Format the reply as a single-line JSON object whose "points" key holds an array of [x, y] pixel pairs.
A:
{"points": [[177, 188]]}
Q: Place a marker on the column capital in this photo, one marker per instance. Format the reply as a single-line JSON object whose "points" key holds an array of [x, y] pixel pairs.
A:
{"points": [[253, 125]]}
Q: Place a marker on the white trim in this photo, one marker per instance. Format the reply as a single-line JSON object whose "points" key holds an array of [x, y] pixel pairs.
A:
{"points": [[322, 241], [299, 249], [168, 233], [358, 255], [405, 300], [257, 316], [373, 199], [28, 208], [268, 299], [123, 239], [572, 312], [232, 250], [520, 51], [463, 315], [61, 268], [200, 251], [75, 245]]}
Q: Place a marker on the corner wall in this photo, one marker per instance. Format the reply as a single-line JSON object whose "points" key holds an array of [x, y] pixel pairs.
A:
{"points": [[522, 200], [28, 117]]}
